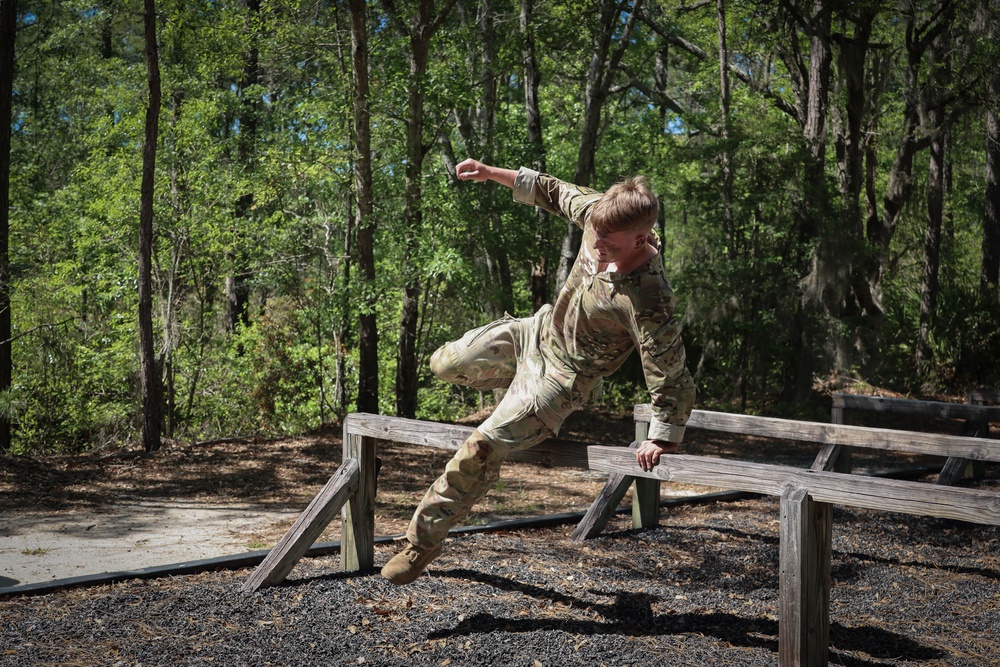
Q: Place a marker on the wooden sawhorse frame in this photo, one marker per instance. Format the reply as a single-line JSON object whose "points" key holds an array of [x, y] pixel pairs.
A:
{"points": [[978, 412], [807, 499]]}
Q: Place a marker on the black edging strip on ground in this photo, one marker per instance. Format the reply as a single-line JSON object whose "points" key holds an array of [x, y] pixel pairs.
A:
{"points": [[254, 558]]}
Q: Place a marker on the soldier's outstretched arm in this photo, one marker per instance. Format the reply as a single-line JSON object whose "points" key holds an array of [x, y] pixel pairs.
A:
{"points": [[474, 170]]}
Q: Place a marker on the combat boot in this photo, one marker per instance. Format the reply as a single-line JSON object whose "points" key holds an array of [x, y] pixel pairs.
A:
{"points": [[407, 565]]}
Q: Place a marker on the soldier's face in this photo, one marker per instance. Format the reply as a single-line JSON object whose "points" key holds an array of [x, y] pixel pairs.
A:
{"points": [[618, 246]]}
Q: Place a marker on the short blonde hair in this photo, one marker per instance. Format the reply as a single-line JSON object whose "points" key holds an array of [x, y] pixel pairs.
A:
{"points": [[627, 205]]}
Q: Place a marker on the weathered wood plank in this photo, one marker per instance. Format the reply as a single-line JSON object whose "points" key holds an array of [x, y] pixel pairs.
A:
{"points": [[407, 431], [984, 396], [980, 449], [804, 580], [357, 544], [850, 490], [603, 507], [552, 452], [306, 529], [917, 408], [954, 471]]}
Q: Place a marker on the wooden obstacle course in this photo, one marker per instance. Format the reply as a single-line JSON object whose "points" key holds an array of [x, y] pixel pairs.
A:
{"points": [[355, 484], [807, 497]]}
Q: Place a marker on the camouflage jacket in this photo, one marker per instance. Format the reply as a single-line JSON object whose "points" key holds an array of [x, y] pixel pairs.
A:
{"points": [[600, 317]]}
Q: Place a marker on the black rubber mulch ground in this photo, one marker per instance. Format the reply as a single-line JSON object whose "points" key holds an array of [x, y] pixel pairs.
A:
{"points": [[699, 590]]}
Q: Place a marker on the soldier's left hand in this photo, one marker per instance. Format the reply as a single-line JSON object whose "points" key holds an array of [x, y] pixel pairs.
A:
{"points": [[649, 452]]}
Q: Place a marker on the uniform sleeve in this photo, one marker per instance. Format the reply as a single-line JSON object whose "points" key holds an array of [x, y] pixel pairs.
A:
{"points": [[664, 365], [553, 195]]}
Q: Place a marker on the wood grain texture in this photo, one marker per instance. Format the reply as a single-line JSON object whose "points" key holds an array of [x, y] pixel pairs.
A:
{"points": [[604, 506], [980, 449], [804, 580], [357, 545], [908, 406], [849, 490], [552, 452], [646, 494]]}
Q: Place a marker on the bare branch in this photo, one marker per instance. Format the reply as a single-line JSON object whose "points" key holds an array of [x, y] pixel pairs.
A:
{"points": [[672, 38], [700, 53], [39, 327], [443, 14], [616, 57]]}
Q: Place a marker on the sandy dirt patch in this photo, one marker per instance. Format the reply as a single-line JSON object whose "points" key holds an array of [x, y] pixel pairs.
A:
{"points": [[38, 546]]}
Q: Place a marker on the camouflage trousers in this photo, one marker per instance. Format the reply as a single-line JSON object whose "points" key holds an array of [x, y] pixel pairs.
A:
{"points": [[541, 393]]}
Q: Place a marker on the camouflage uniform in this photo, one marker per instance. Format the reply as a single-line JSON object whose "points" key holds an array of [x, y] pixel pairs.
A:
{"points": [[551, 362]]}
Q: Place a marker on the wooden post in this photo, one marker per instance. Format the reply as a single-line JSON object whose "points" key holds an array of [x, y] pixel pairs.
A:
{"points": [[306, 529], [357, 547], [982, 429], [646, 492], [804, 587], [835, 458]]}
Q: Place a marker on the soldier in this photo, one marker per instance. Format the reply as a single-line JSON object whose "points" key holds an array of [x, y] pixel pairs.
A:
{"points": [[616, 299]]}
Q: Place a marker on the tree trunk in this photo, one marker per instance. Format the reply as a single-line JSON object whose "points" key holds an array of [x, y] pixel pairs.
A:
{"points": [[536, 143], [496, 252], [8, 33], [990, 274], [869, 294], [809, 332], [420, 34], [845, 247], [882, 228], [364, 219], [406, 355], [726, 158], [989, 277], [600, 74], [477, 126], [149, 378], [932, 247], [179, 243], [237, 283], [932, 102]]}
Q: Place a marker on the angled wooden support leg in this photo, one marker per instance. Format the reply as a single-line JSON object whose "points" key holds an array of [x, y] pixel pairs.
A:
{"points": [[804, 583], [306, 529], [956, 469], [835, 458], [602, 509]]}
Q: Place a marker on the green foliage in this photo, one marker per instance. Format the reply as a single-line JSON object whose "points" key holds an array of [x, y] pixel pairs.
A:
{"points": [[255, 206]]}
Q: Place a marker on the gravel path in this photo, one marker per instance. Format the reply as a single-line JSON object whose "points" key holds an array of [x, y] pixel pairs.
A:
{"points": [[699, 590]]}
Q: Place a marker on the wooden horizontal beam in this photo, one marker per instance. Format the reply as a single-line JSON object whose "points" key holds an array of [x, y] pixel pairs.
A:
{"points": [[984, 396], [827, 487], [979, 449], [407, 431], [907, 406], [552, 452]]}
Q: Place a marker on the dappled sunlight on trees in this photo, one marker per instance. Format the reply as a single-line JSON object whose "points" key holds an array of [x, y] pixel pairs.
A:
{"points": [[827, 175]]}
